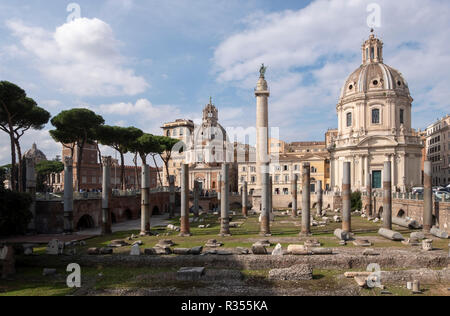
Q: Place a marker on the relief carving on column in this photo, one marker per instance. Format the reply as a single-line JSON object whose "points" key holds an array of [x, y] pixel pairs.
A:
{"points": [[68, 161], [107, 161]]}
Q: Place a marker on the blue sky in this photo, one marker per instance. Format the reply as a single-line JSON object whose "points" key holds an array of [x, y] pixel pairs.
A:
{"points": [[143, 63]]}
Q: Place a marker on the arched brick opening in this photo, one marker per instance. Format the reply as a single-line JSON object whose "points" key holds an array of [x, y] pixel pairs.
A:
{"points": [[235, 205], [290, 205], [113, 218], [85, 222], [155, 210], [128, 214], [380, 212], [401, 214]]}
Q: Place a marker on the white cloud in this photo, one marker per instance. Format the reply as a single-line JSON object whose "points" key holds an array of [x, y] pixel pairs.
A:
{"points": [[143, 114], [82, 57], [42, 138], [310, 52]]}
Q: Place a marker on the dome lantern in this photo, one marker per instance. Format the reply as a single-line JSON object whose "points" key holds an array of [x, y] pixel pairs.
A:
{"points": [[372, 50]]}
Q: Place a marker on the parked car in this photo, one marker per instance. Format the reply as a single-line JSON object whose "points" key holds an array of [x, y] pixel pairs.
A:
{"points": [[442, 195], [417, 190]]}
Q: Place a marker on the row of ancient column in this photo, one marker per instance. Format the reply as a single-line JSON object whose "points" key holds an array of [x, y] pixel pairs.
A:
{"points": [[387, 197], [266, 199], [223, 196]]}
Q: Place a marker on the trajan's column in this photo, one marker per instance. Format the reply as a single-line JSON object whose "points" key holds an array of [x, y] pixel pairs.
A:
{"points": [[262, 134]]}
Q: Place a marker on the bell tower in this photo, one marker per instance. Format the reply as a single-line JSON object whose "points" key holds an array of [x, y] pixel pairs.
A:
{"points": [[210, 114]]}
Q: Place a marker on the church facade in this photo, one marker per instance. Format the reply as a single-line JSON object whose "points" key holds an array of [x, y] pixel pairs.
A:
{"points": [[206, 147], [374, 126]]}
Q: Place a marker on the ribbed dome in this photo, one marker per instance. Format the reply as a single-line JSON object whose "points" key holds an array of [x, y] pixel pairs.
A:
{"points": [[35, 153], [374, 77]]}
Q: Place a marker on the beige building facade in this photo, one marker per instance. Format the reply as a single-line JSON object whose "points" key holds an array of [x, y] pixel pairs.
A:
{"points": [[286, 162], [438, 150], [374, 126]]}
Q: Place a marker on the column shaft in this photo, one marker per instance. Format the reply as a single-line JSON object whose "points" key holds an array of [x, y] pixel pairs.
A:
{"points": [[106, 192], [265, 204], [294, 192], [245, 199], [185, 228], [224, 201], [319, 198], [171, 196], [196, 198], [145, 200], [427, 198], [68, 195], [306, 199], [346, 198], [387, 196]]}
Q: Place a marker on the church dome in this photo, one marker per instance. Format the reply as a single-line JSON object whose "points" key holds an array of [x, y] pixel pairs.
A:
{"points": [[373, 75], [35, 154]]}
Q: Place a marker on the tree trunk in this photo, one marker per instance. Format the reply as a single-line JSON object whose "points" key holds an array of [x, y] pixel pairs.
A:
{"points": [[136, 174], [157, 170], [20, 173], [166, 164], [79, 160], [13, 149], [122, 172]]}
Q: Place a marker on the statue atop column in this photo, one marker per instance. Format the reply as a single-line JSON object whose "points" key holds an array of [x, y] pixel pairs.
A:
{"points": [[262, 71]]}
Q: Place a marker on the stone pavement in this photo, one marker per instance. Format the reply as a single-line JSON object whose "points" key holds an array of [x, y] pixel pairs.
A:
{"points": [[156, 220]]}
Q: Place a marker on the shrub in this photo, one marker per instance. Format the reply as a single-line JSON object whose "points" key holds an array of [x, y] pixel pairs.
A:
{"points": [[14, 212], [356, 201]]}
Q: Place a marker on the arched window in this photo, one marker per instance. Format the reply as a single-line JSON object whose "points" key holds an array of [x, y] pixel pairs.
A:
{"points": [[349, 119], [376, 116]]}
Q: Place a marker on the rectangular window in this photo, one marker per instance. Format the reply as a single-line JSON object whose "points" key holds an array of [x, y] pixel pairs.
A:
{"points": [[349, 119], [376, 179], [402, 116], [375, 116]]}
